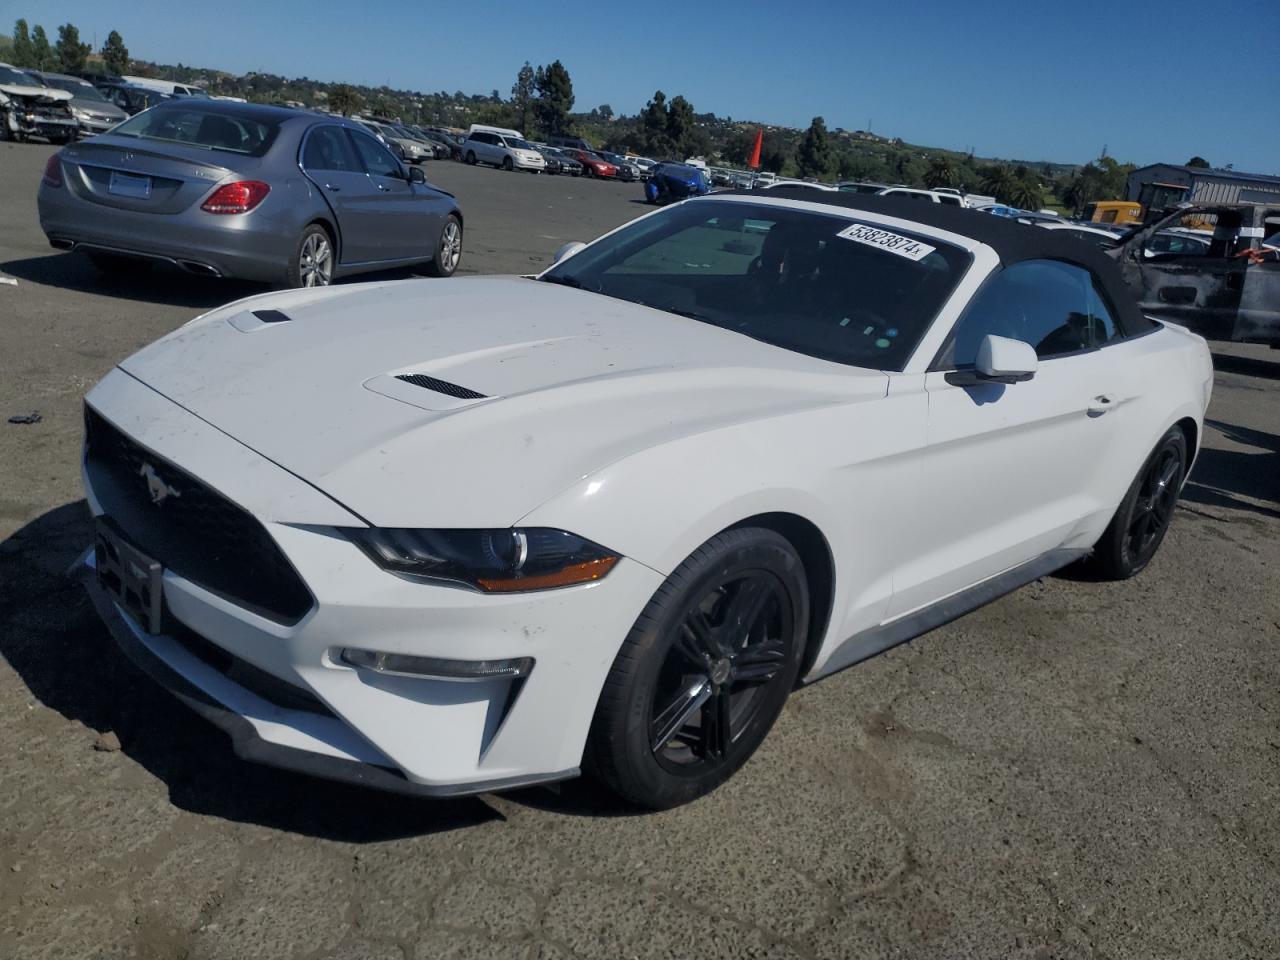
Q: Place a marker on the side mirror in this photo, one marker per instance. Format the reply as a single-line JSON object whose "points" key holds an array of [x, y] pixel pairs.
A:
{"points": [[417, 176], [1005, 360], [568, 250]]}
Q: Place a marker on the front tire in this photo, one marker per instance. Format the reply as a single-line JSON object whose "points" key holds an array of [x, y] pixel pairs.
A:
{"points": [[448, 249], [313, 259], [704, 672], [471, 157], [1143, 517], [507, 165]]}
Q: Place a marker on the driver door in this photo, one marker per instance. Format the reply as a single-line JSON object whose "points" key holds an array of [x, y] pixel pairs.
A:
{"points": [[1013, 471], [402, 233]]}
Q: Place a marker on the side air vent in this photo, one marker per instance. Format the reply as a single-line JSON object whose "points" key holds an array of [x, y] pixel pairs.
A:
{"points": [[440, 386], [272, 316]]}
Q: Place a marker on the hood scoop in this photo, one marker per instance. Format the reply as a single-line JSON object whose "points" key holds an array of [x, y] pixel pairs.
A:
{"points": [[441, 386], [424, 391], [249, 321]]}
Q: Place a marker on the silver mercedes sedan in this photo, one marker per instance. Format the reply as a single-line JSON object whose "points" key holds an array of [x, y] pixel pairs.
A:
{"points": [[256, 192]]}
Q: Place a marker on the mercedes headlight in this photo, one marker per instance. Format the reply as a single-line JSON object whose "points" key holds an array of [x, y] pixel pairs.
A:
{"points": [[494, 561]]}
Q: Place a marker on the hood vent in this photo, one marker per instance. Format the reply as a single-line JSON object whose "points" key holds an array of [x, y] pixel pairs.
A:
{"points": [[272, 316], [440, 386]]}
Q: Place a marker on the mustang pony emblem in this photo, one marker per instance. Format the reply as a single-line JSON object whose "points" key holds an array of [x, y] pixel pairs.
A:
{"points": [[159, 490]]}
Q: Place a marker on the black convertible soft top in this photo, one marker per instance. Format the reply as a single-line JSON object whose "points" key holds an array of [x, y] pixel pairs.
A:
{"points": [[1012, 241]]}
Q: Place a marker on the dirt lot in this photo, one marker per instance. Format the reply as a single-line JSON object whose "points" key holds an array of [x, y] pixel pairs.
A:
{"points": [[1079, 770]]}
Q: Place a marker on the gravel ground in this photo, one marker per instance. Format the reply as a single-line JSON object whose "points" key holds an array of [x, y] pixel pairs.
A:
{"points": [[1078, 770]]}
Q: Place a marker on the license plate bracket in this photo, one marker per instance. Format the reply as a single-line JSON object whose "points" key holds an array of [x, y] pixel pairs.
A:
{"points": [[133, 579], [128, 185]]}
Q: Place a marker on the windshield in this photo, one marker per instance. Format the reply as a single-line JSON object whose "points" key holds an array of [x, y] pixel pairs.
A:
{"points": [[201, 128], [15, 78], [518, 144], [83, 91], [825, 285]]}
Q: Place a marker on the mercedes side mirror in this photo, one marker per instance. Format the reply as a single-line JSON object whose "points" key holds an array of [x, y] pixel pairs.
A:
{"points": [[568, 250], [417, 176], [999, 360]]}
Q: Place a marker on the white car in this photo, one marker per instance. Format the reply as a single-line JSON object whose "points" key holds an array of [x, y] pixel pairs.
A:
{"points": [[502, 150], [454, 536], [951, 198]]}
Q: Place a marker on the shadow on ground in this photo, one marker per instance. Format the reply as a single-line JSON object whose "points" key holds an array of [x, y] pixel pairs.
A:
{"points": [[158, 283], [1236, 478], [50, 635]]}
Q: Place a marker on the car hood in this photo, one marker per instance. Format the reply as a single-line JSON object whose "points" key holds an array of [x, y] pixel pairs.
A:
{"points": [[47, 93], [520, 389]]}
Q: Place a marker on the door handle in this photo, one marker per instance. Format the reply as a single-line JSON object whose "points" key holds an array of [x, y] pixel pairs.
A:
{"points": [[1101, 404], [331, 188]]}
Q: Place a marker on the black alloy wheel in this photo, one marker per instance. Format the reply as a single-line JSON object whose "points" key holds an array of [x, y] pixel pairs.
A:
{"points": [[704, 672], [1143, 518]]}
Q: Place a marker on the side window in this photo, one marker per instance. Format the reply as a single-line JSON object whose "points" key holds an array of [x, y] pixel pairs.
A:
{"points": [[327, 148], [1052, 306], [377, 160]]}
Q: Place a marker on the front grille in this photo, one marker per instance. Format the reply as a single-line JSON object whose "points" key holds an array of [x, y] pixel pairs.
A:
{"points": [[440, 386], [190, 528]]}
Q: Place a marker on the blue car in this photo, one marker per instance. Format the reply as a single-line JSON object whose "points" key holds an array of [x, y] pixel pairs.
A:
{"points": [[675, 181]]}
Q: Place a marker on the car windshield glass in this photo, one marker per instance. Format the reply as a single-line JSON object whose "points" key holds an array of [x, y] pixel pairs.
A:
{"points": [[201, 128], [82, 91], [519, 144], [825, 285], [15, 79]]}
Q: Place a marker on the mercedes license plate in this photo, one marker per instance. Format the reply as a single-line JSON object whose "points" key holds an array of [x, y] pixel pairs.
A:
{"points": [[127, 185]]}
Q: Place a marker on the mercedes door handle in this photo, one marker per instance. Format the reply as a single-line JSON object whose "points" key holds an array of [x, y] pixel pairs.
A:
{"points": [[331, 188], [1101, 404]]}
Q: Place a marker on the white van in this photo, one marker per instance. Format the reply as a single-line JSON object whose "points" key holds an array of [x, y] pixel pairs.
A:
{"points": [[501, 148], [167, 86]]}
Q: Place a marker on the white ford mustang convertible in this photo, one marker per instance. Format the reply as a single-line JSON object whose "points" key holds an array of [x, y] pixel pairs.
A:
{"points": [[454, 536]]}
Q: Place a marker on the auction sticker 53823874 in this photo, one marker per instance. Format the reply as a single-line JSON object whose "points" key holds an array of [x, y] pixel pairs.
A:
{"points": [[885, 240]]}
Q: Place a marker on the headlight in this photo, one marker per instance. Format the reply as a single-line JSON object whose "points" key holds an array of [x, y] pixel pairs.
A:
{"points": [[495, 561], [80, 114]]}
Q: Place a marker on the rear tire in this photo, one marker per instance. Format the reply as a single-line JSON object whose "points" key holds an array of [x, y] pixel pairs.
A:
{"points": [[313, 260], [704, 672], [448, 250], [1143, 517]]}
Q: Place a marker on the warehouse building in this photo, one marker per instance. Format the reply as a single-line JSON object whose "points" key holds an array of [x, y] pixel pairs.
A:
{"points": [[1162, 185]]}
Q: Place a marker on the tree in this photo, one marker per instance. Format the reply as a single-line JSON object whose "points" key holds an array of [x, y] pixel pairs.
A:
{"points": [[23, 54], [522, 94], [115, 54], [813, 157], [941, 173], [1027, 195], [681, 126], [343, 99], [652, 132], [72, 54], [42, 55], [555, 97], [1196, 161], [999, 181]]}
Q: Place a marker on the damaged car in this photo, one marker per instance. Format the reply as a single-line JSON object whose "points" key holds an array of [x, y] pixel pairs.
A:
{"points": [[28, 109], [1225, 289]]}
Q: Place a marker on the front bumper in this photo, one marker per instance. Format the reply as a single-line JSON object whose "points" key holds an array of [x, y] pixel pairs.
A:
{"points": [[430, 736], [525, 163]]}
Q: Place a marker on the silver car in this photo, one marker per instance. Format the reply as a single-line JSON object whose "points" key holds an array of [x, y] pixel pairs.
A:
{"points": [[244, 190], [93, 112]]}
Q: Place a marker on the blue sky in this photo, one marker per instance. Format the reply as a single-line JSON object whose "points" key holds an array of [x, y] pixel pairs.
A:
{"points": [[1033, 80]]}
